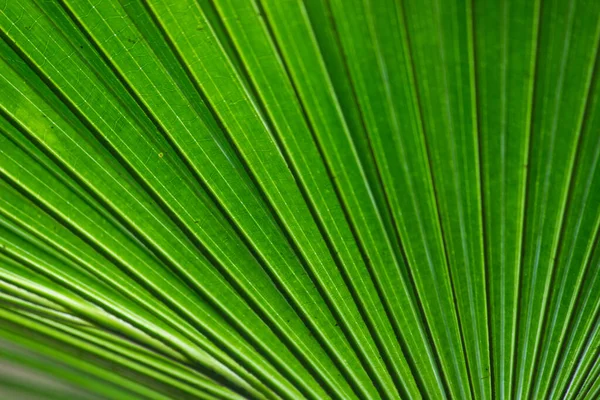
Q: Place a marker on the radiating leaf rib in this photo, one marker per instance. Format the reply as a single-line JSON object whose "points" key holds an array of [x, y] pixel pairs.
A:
{"points": [[390, 150], [327, 35], [323, 111], [594, 392], [505, 65], [552, 161], [588, 358], [578, 241], [446, 82], [314, 252], [320, 111], [579, 327], [587, 386]]}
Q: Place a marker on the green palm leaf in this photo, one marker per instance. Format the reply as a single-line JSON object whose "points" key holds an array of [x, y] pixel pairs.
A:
{"points": [[225, 199]]}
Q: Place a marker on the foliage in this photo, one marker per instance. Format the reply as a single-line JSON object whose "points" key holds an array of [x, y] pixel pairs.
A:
{"points": [[299, 199]]}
